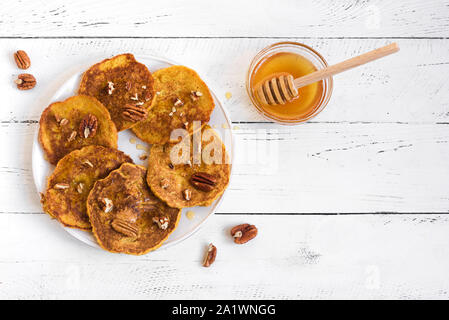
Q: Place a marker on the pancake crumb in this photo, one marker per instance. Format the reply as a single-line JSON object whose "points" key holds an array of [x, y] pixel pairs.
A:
{"points": [[141, 147], [228, 95], [132, 140], [190, 214]]}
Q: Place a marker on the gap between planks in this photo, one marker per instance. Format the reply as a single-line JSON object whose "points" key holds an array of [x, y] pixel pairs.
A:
{"points": [[379, 213], [270, 122], [223, 37]]}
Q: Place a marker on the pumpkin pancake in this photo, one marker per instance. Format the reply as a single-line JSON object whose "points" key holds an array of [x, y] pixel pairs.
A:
{"points": [[181, 98], [72, 180], [191, 179], [126, 216], [123, 85], [74, 123]]}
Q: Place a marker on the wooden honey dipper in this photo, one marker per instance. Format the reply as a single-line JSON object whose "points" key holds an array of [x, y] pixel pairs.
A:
{"points": [[280, 88]]}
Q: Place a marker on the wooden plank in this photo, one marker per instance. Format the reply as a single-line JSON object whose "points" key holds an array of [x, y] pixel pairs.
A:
{"points": [[293, 257], [410, 86], [313, 168], [261, 18]]}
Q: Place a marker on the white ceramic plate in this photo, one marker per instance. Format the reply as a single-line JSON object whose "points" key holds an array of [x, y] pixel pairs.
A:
{"points": [[186, 227]]}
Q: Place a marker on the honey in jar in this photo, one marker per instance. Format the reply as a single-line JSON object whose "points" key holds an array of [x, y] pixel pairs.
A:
{"points": [[298, 60], [297, 66]]}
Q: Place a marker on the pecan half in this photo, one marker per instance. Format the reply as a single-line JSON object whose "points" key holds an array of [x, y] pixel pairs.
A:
{"points": [[22, 59], [203, 181], [25, 81], [162, 222], [243, 233], [134, 113], [124, 227], [210, 255], [88, 126]]}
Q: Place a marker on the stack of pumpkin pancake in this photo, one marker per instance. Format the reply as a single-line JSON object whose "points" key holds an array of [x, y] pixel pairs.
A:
{"points": [[94, 186]]}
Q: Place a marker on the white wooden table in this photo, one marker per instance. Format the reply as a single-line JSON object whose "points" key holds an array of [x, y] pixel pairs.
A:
{"points": [[353, 204]]}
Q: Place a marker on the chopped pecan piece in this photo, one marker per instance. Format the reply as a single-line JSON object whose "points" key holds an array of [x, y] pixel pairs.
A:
{"points": [[177, 102], [162, 222], [243, 233], [134, 113], [210, 255], [187, 194], [148, 95], [110, 87], [87, 163], [61, 186], [164, 183], [88, 126], [124, 227], [203, 181], [72, 136], [195, 95], [80, 187], [107, 205], [128, 86]]}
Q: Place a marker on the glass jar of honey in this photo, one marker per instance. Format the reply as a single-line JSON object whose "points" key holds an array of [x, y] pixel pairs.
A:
{"points": [[298, 60]]}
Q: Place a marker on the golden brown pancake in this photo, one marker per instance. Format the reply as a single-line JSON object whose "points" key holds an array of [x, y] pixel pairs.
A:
{"points": [[125, 215], [181, 98], [190, 181], [72, 180], [123, 85], [74, 123]]}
